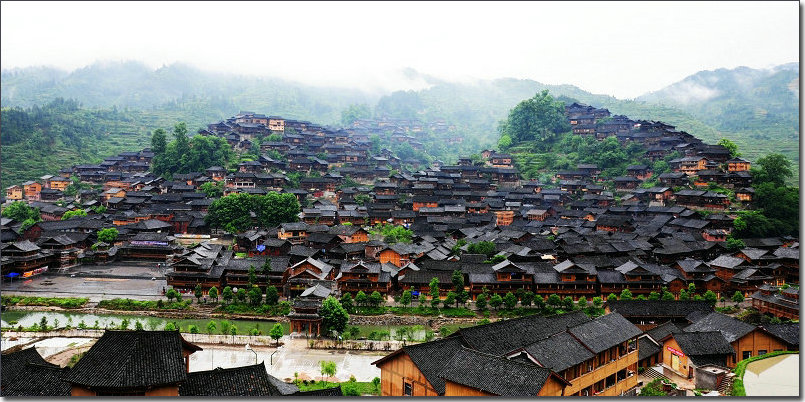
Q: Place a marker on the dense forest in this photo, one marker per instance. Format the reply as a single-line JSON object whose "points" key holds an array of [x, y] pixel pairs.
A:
{"points": [[43, 139]]}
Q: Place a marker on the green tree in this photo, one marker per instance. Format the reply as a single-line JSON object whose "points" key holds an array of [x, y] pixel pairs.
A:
{"points": [[554, 301], [327, 368], [666, 295], [375, 299], [276, 332], [20, 211], [211, 327], [504, 142], [233, 213], [774, 168], [361, 298], [199, 292], [346, 302], [495, 301], [272, 296], [567, 303], [392, 233], [227, 294], [684, 295], [484, 247], [213, 189], [124, 325], [225, 326], [582, 302], [612, 297], [626, 294], [252, 276], [711, 297], [73, 214], [138, 326], [334, 316], [450, 299], [171, 294], [406, 298], [108, 235], [539, 118], [170, 327], [510, 300], [193, 329], [255, 296], [241, 295], [159, 142], [654, 296], [527, 299], [423, 299], [480, 302], [458, 280], [738, 297], [434, 292], [733, 244], [731, 146], [539, 302], [213, 293]]}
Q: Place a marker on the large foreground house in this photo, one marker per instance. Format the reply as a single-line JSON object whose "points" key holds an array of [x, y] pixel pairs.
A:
{"points": [[558, 355]]}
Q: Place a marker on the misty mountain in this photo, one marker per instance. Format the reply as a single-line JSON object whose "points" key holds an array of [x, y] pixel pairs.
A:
{"points": [[757, 107], [739, 99], [134, 85]]}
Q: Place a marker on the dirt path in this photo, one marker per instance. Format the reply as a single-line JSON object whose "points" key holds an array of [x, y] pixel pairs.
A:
{"points": [[63, 357]]}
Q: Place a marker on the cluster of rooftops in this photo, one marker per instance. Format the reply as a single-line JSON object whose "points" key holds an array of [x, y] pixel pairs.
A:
{"points": [[549, 234]]}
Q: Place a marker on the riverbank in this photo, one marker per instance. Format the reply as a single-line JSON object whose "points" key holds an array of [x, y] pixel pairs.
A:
{"points": [[388, 319]]}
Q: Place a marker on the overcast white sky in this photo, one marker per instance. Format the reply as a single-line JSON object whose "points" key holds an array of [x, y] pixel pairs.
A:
{"points": [[618, 48]]}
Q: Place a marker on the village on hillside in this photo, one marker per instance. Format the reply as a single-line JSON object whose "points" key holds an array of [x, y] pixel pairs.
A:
{"points": [[578, 285]]}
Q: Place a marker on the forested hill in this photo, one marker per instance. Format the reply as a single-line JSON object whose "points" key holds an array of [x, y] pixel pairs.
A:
{"points": [[757, 108], [43, 139]]}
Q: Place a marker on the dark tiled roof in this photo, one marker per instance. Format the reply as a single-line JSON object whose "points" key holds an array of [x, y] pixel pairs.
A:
{"points": [[703, 343], [431, 357], [605, 332], [495, 375], [502, 337], [731, 328], [559, 352], [787, 332], [239, 381], [646, 348], [658, 308], [659, 332], [37, 380], [13, 363], [132, 359]]}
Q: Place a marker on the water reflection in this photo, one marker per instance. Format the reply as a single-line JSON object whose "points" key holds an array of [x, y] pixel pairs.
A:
{"points": [[774, 376]]}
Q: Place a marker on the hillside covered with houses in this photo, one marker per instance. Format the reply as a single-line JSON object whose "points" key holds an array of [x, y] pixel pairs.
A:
{"points": [[582, 233]]}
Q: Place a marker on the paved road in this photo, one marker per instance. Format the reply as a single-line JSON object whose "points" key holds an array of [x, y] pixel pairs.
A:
{"points": [[287, 361], [95, 282]]}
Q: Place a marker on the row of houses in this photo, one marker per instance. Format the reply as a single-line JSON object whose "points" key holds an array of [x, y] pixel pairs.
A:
{"points": [[574, 355]]}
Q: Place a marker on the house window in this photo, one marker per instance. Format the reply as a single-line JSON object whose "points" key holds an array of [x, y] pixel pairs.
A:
{"points": [[761, 352], [408, 388], [746, 354]]}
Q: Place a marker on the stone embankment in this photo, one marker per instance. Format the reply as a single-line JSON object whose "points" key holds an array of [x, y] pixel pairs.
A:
{"points": [[406, 320]]}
